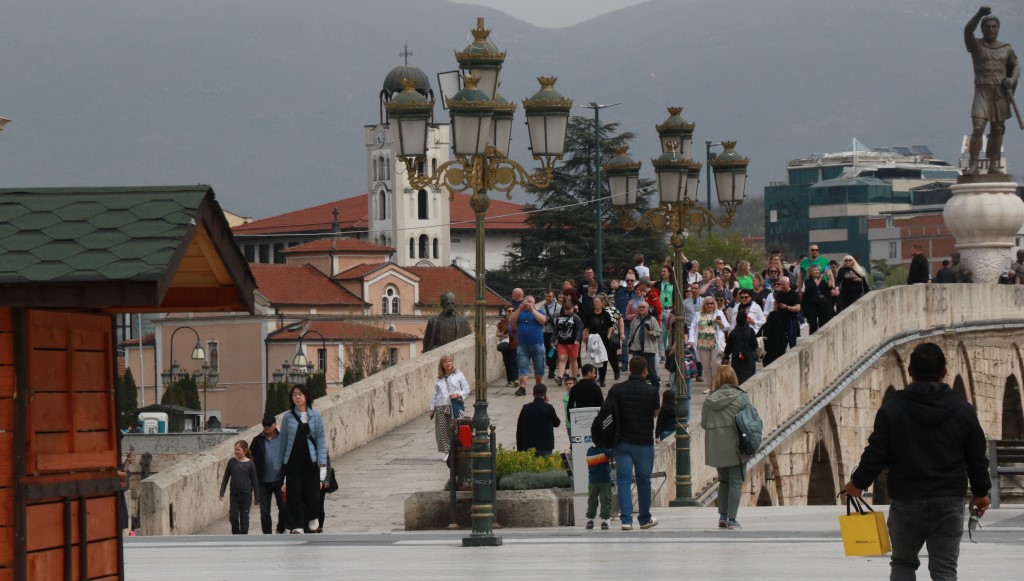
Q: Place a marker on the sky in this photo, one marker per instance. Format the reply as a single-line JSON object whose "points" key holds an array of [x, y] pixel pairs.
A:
{"points": [[553, 13]]}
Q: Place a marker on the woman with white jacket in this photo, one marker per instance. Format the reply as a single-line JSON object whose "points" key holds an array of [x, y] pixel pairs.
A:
{"points": [[707, 334], [450, 392]]}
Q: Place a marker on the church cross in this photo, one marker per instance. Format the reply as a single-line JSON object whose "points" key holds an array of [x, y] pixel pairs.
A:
{"points": [[406, 53]]}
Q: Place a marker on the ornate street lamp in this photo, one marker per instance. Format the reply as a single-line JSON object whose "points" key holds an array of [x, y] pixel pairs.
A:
{"points": [[198, 354], [481, 130], [677, 213], [676, 129], [300, 362], [204, 376]]}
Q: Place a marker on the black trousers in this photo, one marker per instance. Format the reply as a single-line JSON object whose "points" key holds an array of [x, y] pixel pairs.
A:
{"points": [[302, 495], [271, 491], [238, 514], [511, 365]]}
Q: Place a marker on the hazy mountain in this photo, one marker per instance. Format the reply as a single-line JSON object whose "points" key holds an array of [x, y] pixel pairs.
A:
{"points": [[266, 100]]}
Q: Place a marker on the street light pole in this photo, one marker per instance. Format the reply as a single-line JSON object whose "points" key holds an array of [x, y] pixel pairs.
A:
{"points": [[598, 246], [678, 212], [481, 132]]}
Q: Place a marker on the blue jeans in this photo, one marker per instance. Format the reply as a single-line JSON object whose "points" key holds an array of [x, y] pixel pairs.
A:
{"points": [[939, 522], [531, 354], [630, 459]]}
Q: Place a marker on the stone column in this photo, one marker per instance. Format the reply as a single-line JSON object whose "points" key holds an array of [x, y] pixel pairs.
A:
{"points": [[984, 215]]}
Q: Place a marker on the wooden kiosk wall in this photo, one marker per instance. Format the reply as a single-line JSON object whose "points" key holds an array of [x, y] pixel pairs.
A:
{"points": [[59, 495]]}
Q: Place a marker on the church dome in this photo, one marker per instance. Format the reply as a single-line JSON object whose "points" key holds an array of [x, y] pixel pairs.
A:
{"points": [[393, 82]]}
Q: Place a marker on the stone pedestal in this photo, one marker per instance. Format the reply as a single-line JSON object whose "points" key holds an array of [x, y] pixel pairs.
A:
{"points": [[984, 217]]}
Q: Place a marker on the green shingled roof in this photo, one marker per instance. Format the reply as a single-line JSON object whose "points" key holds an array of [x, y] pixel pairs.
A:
{"points": [[93, 234]]}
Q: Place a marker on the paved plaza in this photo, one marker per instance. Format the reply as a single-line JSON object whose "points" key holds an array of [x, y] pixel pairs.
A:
{"points": [[783, 543], [375, 479]]}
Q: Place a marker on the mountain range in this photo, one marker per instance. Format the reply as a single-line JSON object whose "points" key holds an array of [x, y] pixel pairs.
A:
{"points": [[266, 100]]}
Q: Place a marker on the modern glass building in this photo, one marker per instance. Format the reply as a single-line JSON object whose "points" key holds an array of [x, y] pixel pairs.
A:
{"points": [[827, 198]]}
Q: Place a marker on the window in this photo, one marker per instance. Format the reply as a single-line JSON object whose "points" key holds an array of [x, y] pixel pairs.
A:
{"points": [[390, 300], [278, 256], [422, 207], [437, 249], [213, 355], [321, 359], [382, 210], [393, 356], [890, 222], [433, 166], [250, 253], [412, 248], [892, 251], [374, 164], [424, 243], [264, 254], [387, 169]]}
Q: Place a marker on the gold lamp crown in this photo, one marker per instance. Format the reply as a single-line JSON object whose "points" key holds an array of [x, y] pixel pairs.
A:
{"points": [[471, 81], [480, 33], [409, 84], [547, 82], [675, 110], [729, 145]]}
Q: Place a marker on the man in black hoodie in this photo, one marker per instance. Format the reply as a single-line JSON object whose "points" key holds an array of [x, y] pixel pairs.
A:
{"points": [[931, 442]]}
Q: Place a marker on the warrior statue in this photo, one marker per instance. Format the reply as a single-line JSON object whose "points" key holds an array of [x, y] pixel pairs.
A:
{"points": [[995, 78], [447, 326]]}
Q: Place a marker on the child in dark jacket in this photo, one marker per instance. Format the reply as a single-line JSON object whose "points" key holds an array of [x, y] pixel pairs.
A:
{"points": [[599, 470], [241, 470]]}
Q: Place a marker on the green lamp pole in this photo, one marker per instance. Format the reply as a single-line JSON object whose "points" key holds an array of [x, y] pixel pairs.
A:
{"points": [[481, 134], [598, 246], [678, 214]]}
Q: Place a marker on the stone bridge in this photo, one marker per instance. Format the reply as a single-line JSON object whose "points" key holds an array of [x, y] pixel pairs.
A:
{"points": [[818, 401]]}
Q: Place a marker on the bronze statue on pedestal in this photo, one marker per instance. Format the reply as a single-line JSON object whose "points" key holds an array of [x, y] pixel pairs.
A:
{"points": [[996, 72], [447, 326]]}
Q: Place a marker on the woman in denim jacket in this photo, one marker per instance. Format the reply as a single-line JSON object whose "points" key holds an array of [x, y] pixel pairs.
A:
{"points": [[302, 461]]}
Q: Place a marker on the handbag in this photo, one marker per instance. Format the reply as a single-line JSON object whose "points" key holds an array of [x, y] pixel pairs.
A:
{"points": [[503, 344], [332, 481], [864, 532]]}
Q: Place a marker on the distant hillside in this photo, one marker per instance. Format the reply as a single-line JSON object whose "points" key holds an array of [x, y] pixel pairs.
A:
{"points": [[266, 100]]}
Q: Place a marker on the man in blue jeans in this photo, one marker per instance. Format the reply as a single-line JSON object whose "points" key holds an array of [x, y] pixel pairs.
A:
{"points": [[635, 403], [931, 442], [529, 323]]}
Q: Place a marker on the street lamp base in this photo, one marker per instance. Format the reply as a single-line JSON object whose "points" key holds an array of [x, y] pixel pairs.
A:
{"points": [[475, 540], [675, 502]]}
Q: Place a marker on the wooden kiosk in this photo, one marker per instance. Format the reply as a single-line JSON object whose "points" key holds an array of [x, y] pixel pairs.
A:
{"points": [[69, 259]]}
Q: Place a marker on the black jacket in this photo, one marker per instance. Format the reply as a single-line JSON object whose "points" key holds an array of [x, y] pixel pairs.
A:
{"points": [[931, 442], [256, 451], [536, 427], [637, 402], [585, 394]]}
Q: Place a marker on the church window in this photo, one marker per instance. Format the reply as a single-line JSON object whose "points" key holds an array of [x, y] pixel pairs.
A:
{"points": [[390, 300], [424, 241], [437, 248], [412, 248], [382, 211], [422, 205], [387, 169], [433, 166]]}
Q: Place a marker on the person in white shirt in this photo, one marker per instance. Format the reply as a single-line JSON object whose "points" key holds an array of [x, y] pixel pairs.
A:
{"points": [[754, 312]]}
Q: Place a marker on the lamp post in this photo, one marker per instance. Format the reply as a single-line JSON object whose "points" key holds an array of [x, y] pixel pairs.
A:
{"points": [[207, 376], [300, 361], [599, 249], [678, 213], [197, 354], [481, 132]]}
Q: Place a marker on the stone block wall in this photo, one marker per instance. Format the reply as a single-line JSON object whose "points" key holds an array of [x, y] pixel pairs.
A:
{"points": [[184, 498]]}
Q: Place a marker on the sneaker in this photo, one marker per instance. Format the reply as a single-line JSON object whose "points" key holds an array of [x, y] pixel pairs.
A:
{"points": [[590, 524], [510, 384], [551, 375], [558, 381], [650, 524], [600, 384], [521, 391], [706, 391], [723, 521], [314, 524], [604, 525], [296, 531], [627, 527], [732, 524], [616, 376]]}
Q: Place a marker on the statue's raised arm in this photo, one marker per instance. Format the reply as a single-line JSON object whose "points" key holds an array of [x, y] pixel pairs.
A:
{"points": [[996, 72]]}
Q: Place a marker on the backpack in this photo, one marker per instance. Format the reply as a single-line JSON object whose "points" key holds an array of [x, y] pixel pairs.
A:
{"points": [[749, 427], [604, 432]]}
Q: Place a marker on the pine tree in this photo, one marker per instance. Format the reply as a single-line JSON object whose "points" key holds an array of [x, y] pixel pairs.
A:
{"points": [[317, 385], [127, 398], [560, 241], [190, 391]]}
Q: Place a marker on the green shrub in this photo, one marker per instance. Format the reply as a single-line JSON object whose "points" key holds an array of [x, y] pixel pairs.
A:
{"points": [[512, 461], [535, 480]]}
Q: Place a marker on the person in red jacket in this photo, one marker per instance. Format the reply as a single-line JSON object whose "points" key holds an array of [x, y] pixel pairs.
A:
{"points": [[645, 289]]}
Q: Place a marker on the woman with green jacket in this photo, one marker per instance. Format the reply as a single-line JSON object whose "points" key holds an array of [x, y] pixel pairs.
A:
{"points": [[721, 442]]}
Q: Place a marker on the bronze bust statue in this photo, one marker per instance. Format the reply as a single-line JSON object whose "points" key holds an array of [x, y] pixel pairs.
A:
{"points": [[996, 72], [447, 326]]}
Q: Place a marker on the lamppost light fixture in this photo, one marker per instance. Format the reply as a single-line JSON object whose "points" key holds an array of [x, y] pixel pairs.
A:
{"points": [[198, 353], [501, 124], [672, 171], [411, 112], [300, 359], [623, 177], [472, 112], [676, 129], [482, 60], [547, 117], [277, 375], [730, 175]]}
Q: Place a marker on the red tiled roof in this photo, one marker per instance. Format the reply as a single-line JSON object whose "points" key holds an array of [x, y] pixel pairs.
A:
{"points": [[360, 270], [337, 331], [435, 280], [352, 214], [339, 245], [288, 284], [501, 215], [146, 340]]}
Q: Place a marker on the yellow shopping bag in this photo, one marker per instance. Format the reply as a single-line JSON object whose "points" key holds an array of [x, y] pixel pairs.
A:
{"points": [[864, 532]]}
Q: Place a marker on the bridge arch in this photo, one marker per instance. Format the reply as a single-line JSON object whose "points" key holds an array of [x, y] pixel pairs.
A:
{"points": [[1012, 412], [879, 490], [967, 388], [826, 472], [901, 368], [958, 387]]}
